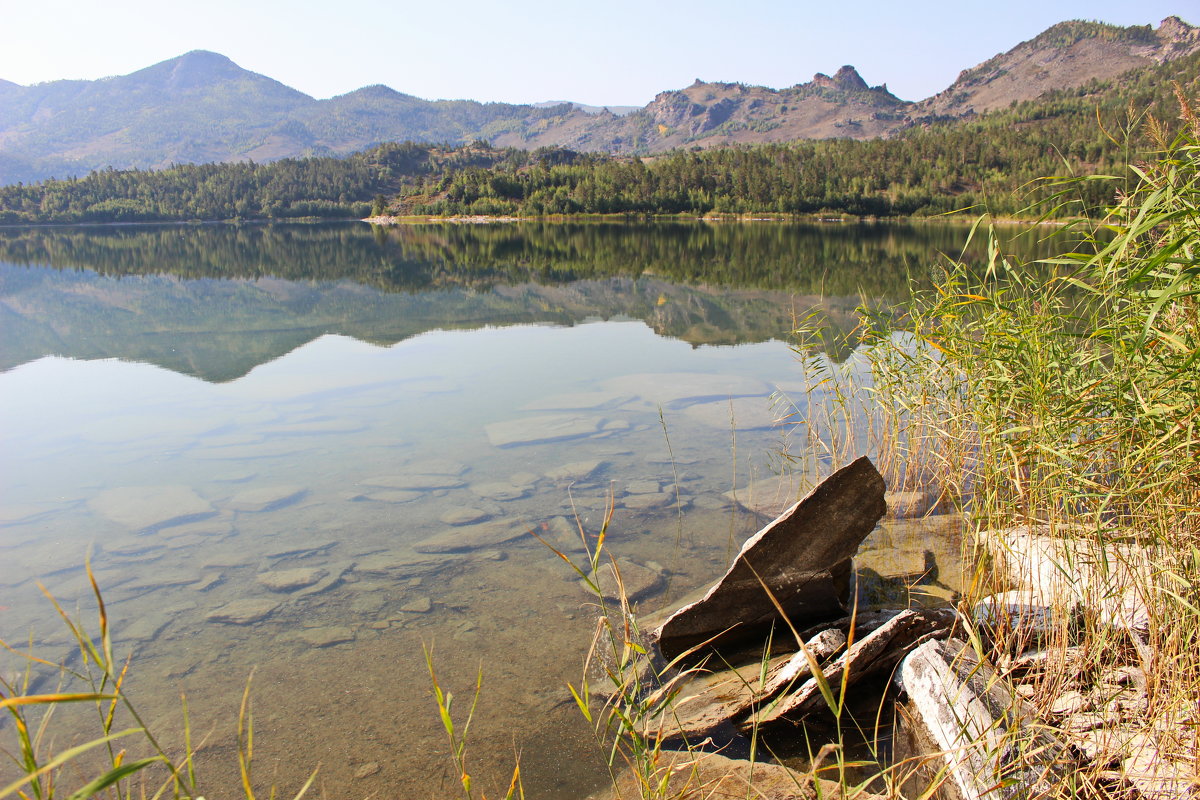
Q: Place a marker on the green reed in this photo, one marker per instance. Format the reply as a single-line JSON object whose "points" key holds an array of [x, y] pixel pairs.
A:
{"points": [[137, 761]]}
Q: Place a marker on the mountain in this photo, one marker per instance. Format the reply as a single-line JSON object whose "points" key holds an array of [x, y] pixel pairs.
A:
{"points": [[1063, 56], [714, 114], [202, 107]]}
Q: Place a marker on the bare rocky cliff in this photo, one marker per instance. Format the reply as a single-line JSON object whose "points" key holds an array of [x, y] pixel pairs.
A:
{"points": [[1064, 56]]}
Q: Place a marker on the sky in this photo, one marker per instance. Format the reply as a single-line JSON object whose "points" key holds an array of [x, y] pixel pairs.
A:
{"points": [[618, 52]]}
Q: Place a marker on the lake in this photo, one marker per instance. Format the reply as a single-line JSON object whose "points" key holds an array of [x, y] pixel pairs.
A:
{"points": [[313, 452]]}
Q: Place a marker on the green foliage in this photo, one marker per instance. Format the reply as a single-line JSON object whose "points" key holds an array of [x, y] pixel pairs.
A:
{"points": [[988, 163]]}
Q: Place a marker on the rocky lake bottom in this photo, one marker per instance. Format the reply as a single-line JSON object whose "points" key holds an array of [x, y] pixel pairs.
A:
{"points": [[318, 511]]}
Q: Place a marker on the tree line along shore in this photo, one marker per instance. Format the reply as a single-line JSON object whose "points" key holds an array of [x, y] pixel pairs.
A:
{"points": [[995, 162]]}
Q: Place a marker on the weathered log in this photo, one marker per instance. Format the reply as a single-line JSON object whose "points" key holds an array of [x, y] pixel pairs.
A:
{"points": [[879, 650], [711, 700], [802, 558], [972, 731]]}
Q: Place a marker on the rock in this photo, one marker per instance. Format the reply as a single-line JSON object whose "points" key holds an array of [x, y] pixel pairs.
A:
{"points": [[366, 770], [712, 700], [316, 427], [289, 580], [1156, 777], [208, 581], [234, 477], [579, 401], [389, 496], [1069, 702], [769, 496], [266, 498], [878, 651], [500, 490], [576, 471], [639, 580], [327, 636], [906, 505], [399, 564], [464, 516], [968, 727], [1017, 618], [130, 546], [145, 508], [367, 604], [541, 429], [22, 513], [647, 502], [910, 566], [244, 612], [678, 389], [337, 571], [1075, 568], [209, 528], [472, 537], [415, 480], [803, 557], [743, 414], [419, 605], [712, 776]]}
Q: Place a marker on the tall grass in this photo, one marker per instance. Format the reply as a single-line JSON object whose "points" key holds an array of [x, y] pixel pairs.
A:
{"points": [[1062, 398], [49, 755]]}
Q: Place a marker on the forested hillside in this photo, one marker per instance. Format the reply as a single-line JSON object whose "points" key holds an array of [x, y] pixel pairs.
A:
{"points": [[985, 162]]}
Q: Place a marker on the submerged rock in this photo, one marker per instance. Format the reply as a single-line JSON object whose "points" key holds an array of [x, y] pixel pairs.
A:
{"points": [[906, 505], [712, 776], [501, 490], [245, 611], [678, 389], [803, 558], [415, 481], [326, 636], [540, 429], [639, 580], [289, 580], [144, 508], [266, 498], [464, 516], [743, 414], [472, 537], [576, 471]]}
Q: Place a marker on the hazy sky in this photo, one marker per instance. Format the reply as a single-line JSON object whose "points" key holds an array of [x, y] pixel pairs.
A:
{"points": [[616, 52]]}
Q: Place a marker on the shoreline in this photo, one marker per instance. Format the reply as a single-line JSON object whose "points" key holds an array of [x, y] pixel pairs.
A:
{"points": [[482, 219]]}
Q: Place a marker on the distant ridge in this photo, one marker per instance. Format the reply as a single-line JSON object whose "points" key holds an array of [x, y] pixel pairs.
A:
{"points": [[202, 107]]}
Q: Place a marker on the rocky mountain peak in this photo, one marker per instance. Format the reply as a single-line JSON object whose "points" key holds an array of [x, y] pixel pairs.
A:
{"points": [[845, 79], [1173, 30]]}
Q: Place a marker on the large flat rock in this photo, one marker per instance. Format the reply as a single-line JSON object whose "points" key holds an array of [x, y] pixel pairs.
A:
{"points": [[803, 558], [244, 612], [741, 413], [266, 498], [472, 537], [149, 507], [414, 480], [543, 428], [678, 389]]}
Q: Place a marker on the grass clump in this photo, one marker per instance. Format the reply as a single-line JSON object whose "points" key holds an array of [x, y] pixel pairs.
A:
{"points": [[117, 755]]}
